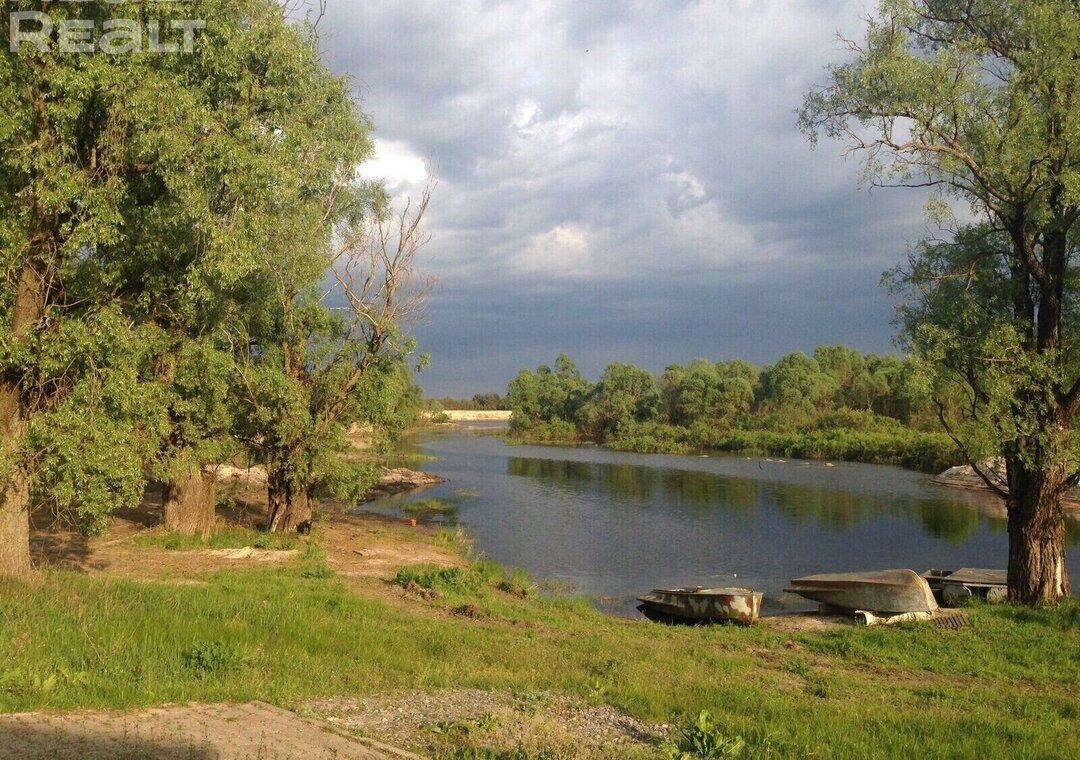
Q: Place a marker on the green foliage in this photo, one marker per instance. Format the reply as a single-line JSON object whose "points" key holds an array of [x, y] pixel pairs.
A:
{"points": [[88, 443], [156, 200], [625, 394], [454, 580], [481, 402], [839, 405], [651, 438], [704, 740], [983, 93], [546, 396], [212, 658], [429, 507]]}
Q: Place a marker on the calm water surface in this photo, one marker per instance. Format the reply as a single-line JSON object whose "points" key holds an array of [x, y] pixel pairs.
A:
{"points": [[611, 525]]}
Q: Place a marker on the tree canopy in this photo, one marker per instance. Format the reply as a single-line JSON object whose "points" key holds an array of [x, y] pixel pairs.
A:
{"points": [[978, 99], [165, 222]]}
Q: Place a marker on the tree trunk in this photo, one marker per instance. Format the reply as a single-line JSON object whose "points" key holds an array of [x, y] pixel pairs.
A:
{"points": [[14, 508], [1037, 572], [190, 501], [289, 509], [15, 489]]}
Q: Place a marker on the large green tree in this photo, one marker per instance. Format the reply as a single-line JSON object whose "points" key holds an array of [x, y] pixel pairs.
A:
{"points": [[135, 193], [979, 99]]}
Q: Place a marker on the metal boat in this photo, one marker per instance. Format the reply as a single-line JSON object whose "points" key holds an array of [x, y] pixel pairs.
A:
{"points": [[893, 591], [957, 587], [702, 605]]}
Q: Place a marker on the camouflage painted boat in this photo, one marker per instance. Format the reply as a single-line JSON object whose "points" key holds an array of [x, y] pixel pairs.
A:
{"points": [[702, 605], [893, 591]]}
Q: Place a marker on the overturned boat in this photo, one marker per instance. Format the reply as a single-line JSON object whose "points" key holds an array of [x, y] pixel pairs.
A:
{"points": [[957, 587], [702, 605], [891, 591]]}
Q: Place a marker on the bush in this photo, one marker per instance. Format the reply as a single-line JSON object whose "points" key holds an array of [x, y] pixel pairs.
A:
{"points": [[650, 438], [556, 431]]}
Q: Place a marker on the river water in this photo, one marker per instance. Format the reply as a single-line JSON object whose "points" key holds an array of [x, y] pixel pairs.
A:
{"points": [[611, 525]]}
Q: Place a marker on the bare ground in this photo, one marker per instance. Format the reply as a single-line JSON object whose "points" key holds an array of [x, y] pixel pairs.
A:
{"points": [[193, 732], [365, 545], [503, 721]]}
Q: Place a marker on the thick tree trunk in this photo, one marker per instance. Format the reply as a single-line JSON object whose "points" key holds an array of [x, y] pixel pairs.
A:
{"points": [[14, 520], [1037, 572], [15, 488], [288, 509], [190, 501]]}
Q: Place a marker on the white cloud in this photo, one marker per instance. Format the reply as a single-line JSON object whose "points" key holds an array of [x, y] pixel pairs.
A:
{"points": [[562, 252], [396, 164]]}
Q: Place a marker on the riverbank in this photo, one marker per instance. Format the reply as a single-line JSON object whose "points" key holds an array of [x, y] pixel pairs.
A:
{"points": [[916, 450], [461, 658], [965, 477]]}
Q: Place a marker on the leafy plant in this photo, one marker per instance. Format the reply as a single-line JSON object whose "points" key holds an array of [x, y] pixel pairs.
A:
{"points": [[703, 740], [212, 658]]}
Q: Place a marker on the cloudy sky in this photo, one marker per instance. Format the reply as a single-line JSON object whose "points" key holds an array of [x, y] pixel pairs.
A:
{"points": [[622, 181]]}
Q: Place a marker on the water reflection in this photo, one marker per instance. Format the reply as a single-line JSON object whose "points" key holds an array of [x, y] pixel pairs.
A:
{"points": [[617, 524], [954, 519]]}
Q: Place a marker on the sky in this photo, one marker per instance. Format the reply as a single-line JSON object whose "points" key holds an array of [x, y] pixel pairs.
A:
{"points": [[622, 181]]}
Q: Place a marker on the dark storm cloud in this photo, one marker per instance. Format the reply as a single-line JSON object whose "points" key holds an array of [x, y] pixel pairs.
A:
{"points": [[623, 180]]}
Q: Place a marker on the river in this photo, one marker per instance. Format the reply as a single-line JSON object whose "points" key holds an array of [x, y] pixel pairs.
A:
{"points": [[610, 525]]}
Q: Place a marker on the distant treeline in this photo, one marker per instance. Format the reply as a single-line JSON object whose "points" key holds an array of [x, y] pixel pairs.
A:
{"points": [[481, 402], [837, 404]]}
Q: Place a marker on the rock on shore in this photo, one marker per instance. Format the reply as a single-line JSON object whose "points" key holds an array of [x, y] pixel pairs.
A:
{"points": [[392, 482], [966, 477], [401, 480]]}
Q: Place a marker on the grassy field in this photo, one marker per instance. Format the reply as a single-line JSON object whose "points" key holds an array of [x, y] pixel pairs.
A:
{"points": [[1007, 686]]}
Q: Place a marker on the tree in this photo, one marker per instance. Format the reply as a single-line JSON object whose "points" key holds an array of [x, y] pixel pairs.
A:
{"points": [[488, 402], [307, 367], [797, 385], [277, 111], [547, 395], [133, 189], [979, 99], [624, 394]]}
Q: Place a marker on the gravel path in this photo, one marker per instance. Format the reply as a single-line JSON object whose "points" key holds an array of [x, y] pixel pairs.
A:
{"points": [[503, 720]]}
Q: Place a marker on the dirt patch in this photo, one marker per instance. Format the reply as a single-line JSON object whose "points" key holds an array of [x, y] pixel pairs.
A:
{"points": [[365, 545], [248, 552], [195, 732], [505, 722], [807, 622]]}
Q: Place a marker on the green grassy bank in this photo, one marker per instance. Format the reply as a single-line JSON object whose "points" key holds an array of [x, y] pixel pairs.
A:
{"points": [[1008, 686], [891, 444]]}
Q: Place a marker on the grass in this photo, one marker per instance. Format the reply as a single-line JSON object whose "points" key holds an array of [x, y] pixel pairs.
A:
{"points": [[429, 507], [889, 443], [227, 538], [1007, 686]]}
